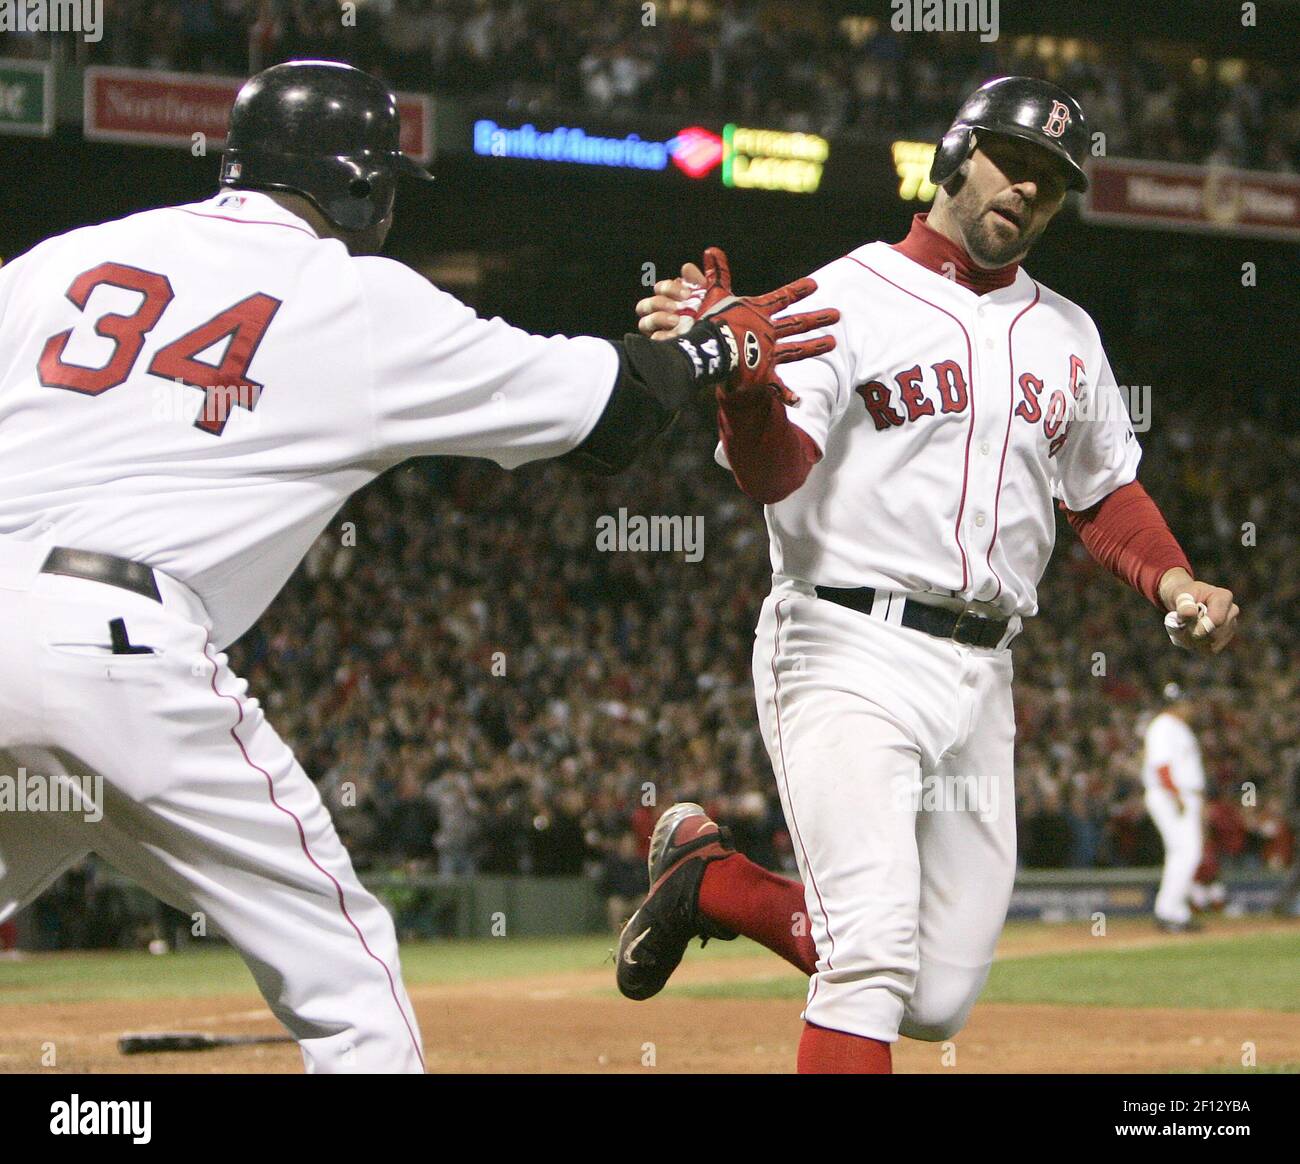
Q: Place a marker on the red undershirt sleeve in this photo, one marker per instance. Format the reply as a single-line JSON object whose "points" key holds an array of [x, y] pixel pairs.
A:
{"points": [[769, 455], [1127, 534]]}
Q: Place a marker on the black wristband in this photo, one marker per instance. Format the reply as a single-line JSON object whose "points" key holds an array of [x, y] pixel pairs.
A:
{"points": [[710, 351]]}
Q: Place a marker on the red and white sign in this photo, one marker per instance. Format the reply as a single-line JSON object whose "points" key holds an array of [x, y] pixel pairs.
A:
{"points": [[1208, 198], [149, 108]]}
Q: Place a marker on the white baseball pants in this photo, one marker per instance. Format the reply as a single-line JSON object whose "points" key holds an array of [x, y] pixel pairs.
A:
{"points": [[892, 751], [1180, 830], [196, 798]]}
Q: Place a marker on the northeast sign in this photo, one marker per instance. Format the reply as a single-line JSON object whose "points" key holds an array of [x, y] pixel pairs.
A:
{"points": [[762, 159], [155, 108]]}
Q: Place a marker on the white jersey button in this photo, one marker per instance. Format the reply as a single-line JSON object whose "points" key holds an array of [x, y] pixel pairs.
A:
{"points": [[979, 519]]}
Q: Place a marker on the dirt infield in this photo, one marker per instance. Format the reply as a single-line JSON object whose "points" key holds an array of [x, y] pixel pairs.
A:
{"points": [[573, 1022]]}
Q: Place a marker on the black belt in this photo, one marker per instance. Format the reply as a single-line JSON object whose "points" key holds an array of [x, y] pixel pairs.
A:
{"points": [[106, 568], [959, 625]]}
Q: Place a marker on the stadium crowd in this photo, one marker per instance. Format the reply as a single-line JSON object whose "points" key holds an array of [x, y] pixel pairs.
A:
{"points": [[479, 688], [795, 66]]}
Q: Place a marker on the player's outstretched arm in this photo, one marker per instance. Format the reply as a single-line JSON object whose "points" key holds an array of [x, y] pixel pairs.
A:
{"points": [[735, 346], [769, 455]]}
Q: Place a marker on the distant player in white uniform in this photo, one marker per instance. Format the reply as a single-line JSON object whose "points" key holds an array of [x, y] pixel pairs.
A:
{"points": [[1173, 780], [911, 478], [187, 397]]}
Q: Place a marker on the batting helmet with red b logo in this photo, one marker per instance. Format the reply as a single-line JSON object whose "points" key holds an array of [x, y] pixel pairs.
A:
{"points": [[1024, 107]]}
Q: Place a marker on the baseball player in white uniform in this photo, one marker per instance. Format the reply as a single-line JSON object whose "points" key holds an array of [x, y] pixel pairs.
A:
{"points": [[188, 396], [1173, 782], [910, 479]]}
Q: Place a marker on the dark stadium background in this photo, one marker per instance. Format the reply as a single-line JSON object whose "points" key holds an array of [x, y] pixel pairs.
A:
{"points": [[561, 248]]}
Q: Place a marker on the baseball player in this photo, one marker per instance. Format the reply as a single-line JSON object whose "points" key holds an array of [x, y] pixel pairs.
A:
{"points": [[1173, 782], [910, 478], [187, 398]]}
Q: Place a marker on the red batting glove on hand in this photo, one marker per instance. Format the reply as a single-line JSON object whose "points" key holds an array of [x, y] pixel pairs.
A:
{"points": [[750, 331]]}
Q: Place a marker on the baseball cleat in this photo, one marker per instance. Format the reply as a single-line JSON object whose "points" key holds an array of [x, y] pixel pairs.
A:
{"points": [[652, 943], [1172, 927]]}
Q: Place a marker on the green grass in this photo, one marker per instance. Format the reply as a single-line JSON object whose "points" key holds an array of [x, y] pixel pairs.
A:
{"points": [[211, 970], [1217, 971], [1250, 971]]}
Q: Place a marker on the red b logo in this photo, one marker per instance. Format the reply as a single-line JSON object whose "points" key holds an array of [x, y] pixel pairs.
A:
{"points": [[1058, 120]]}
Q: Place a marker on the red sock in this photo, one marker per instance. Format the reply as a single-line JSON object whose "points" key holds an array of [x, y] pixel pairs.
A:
{"points": [[746, 898], [827, 1052]]}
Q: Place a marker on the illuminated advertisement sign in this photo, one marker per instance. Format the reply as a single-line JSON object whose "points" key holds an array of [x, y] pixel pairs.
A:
{"points": [[761, 159], [772, 159], [694, 151], [912, 161]]}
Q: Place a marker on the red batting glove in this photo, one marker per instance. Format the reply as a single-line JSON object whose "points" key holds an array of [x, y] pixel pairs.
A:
{"points": [[750, 331]]}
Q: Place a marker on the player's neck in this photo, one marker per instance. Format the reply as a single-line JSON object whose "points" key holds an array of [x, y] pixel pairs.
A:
{"points": [[947, 257]]}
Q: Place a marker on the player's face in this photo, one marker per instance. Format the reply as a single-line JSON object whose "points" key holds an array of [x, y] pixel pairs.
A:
{"points": [[1012, 190]]}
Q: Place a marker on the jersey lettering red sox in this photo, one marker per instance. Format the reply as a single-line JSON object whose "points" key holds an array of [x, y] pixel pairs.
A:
{"points": [[949, 422]]}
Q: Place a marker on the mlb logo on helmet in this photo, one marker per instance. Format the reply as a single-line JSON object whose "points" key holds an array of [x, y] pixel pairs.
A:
{"points": [[1058, 120]]}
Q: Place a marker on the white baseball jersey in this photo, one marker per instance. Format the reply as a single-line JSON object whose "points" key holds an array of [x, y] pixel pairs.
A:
{"points": [[949, 422], [1172, 757], [201, 387]]}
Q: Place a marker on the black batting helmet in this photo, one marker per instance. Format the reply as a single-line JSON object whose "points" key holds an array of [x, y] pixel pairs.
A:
{"points": [[324, 130], [1024, 107]]}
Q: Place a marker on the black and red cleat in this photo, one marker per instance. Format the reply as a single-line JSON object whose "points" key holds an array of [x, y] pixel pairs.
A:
{"points": [[655, 938]]}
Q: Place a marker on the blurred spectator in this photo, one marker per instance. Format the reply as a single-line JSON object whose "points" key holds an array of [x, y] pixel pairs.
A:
{"points": [[622, 881], [458, 826], [408, 823], [559, 846], [1046, 843]]}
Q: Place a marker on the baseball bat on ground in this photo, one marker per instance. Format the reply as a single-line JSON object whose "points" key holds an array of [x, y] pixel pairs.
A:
{"points": [[152, 1043]]}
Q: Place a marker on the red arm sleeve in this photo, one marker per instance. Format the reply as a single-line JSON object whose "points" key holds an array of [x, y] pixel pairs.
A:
{"points": [[769, 456], [1127, 534]]}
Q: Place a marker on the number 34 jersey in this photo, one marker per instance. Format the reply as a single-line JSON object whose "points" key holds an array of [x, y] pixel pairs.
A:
{"points": [[201, 387]]}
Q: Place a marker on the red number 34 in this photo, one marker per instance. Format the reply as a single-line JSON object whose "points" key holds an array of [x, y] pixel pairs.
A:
{"points": [[225, 385]]}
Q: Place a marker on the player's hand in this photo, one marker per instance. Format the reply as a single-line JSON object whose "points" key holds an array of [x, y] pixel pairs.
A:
{"points": [[1201, 617], [751, 331], [673, 307]]}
